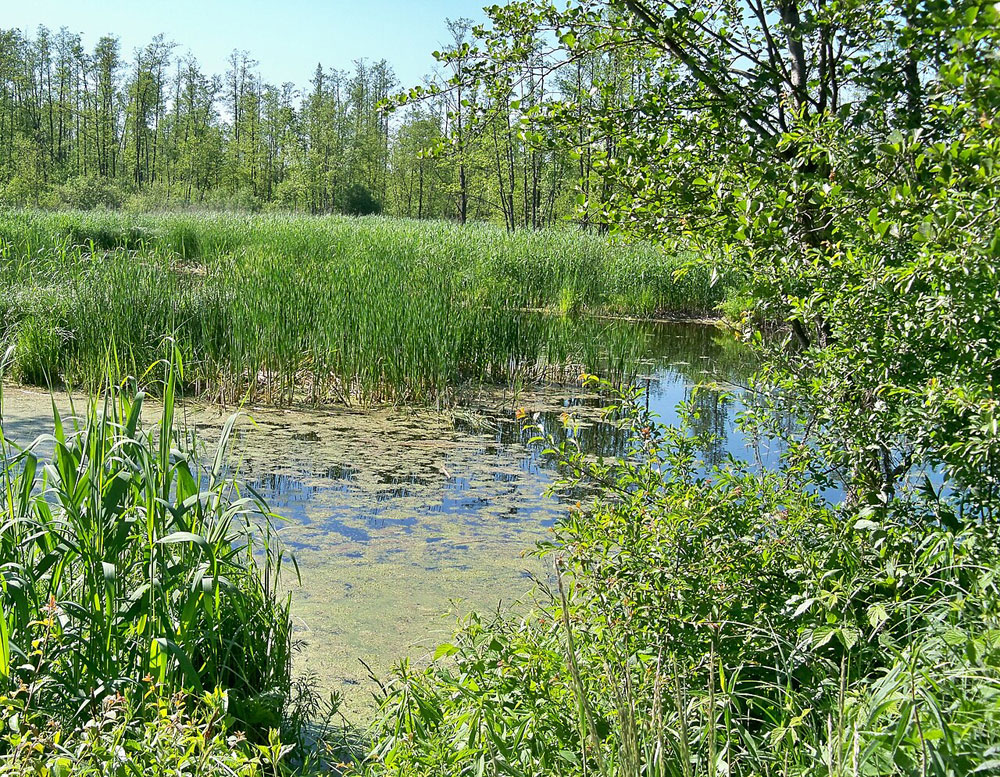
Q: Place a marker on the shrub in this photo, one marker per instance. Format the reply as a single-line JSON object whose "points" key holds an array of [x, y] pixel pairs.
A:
{"points": [[89, 192], [359, 201], [160, 736]]}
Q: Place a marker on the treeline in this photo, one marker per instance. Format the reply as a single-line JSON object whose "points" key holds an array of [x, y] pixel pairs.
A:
{"points": [[98, 127]]}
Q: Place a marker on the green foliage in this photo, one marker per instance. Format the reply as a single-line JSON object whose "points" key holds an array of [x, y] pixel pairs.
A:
{"points": [[896, 359], [89, 192], [158, 736], [95, 129], [837, 615], [358, 201], [837, 162], [125, 557], [848, 189], [718, 622]]}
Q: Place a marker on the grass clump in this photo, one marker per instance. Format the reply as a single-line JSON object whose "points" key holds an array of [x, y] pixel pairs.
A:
{"points": [[131, 566]]}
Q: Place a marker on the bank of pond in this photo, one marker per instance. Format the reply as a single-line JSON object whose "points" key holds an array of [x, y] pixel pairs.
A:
{"points": [[392, 374]]}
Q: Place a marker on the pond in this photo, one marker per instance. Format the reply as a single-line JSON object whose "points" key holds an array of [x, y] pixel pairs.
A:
{"points": [[398, 516]]}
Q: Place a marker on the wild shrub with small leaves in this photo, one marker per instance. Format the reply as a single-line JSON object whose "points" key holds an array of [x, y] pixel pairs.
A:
{"points": [[158, 736]]}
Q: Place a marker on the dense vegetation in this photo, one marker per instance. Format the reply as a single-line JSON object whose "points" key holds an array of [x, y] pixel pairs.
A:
{"points": [[280, 308], [843, 158], [104, 128], [132, 569], [720, 622]]}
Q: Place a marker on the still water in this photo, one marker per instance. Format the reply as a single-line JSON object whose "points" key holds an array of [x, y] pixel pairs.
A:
{"points": [[398, 516]]}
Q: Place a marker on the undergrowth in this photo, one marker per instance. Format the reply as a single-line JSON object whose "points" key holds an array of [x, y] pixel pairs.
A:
{"points": [[719, 622], [130, 562]]}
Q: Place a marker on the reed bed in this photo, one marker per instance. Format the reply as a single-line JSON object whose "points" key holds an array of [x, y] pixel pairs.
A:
{"points": [[281, 308]]}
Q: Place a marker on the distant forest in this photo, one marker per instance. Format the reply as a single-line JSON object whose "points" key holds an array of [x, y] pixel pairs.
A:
{"points": [[101, 127]]}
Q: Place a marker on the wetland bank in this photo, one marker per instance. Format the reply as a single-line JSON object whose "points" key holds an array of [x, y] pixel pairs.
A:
{"points": [[408, 350], [278, 309]]}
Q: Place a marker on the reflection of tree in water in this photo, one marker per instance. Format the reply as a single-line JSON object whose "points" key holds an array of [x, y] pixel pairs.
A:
{"points": [[709, 361], [662, 358], [623, 351], [692, 350], [600, 438], [710, 421], [673, 362]]}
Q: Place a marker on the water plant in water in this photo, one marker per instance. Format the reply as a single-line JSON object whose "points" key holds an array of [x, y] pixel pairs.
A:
{"points": [[279, 308]]}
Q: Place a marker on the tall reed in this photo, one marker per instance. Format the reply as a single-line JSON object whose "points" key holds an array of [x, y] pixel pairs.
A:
{"points": [[126, 556], [277, 307]]}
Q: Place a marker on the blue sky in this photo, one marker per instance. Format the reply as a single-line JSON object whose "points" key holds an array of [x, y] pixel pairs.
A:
{"points": [[288, 37]]}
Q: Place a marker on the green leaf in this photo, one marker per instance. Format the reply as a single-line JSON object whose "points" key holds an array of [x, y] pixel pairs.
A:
{"points": [[822, 635], [163, 647], [183, 536], [4, 645], [806, 604], [877, 615], [849, 636], [447, 649], [110, 572]]}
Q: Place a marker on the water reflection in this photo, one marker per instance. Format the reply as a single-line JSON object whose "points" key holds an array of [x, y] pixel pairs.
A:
{"points": [[409, 468], [700, 366]]}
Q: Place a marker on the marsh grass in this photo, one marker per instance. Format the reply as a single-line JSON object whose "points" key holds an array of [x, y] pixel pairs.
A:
{"points": [[280, 308], [132, 564]]}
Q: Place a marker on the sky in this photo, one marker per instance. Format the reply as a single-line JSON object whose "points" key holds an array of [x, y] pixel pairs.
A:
{"points": [[287, 37]]}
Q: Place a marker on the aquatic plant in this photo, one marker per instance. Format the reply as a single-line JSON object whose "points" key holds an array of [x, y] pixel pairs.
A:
{"points": [[277, 307], [131, 564]]}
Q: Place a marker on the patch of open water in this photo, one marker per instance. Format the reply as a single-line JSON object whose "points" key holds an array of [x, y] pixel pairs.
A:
{"points": [[400, 515]]}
